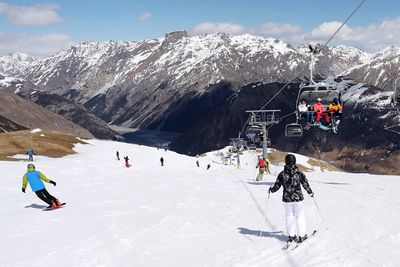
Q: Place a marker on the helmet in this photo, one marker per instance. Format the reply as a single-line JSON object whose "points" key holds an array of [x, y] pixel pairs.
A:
{"points": [[290, 159], [336, 100], [31, 166], [319, 99]]}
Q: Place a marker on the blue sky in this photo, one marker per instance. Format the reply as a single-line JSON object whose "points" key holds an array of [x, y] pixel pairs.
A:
{"points": [[44, 27]]}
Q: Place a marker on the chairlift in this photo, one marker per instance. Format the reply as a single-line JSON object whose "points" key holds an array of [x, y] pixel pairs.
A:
{"points": [[310, 93], [294, 130]]}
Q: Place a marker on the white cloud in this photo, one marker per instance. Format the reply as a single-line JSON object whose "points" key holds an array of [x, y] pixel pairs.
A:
{"points": [[36, 15], [145, 16], [36, 45], [372, 37], [225, 27]]}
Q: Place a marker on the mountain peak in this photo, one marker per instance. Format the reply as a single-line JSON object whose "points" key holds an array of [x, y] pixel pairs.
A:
{"points": [[176, 35]]}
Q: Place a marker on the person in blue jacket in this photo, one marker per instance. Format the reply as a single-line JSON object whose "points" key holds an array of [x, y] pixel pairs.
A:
{"points": [[35, 178], [30, 153]]}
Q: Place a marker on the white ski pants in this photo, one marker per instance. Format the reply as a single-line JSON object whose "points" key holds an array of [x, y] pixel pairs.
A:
{"points": [[295, 218]]}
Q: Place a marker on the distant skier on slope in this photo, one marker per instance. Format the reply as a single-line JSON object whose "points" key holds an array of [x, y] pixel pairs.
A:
{"points": [[208, 166], [34, 178], [291, 178], [30, 153], [261, 168], [197, 163], [117, 154], [127, 162], [162, 161]]}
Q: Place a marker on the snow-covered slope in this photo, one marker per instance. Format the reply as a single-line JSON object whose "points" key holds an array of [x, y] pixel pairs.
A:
{"points": [[181, 215], [16, 64], [381, 71]]}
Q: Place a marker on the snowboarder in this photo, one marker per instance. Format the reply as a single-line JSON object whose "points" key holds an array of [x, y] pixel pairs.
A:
{"points": [[208, 166], [30, 153], [117, 154], [34, 178], [126, 162], [261, 168], [162, 161], [197, 163], [291, 178]]}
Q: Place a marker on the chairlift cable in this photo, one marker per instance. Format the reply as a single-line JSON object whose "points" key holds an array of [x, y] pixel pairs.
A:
{"points": [[348, 18]]}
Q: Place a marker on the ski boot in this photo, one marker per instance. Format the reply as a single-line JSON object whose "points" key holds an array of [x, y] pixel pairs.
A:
{"points": [[302, 239], [292, 239]]}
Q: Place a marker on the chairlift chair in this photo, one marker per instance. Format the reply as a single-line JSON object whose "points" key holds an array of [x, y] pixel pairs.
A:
{"points": [[310, 93], [294, 130]]}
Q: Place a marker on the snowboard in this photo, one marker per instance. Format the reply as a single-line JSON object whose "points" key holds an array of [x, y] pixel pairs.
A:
{"points": [[62, 205]]}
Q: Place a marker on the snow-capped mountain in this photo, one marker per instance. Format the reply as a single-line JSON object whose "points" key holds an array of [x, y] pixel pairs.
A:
{"points": [[332, 61], [381, 71], [15, 64], [137, 83]]}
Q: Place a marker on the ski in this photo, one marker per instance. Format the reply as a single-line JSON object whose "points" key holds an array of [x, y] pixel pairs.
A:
{"points": [[289, 246], [62, 205], [305, 241]]}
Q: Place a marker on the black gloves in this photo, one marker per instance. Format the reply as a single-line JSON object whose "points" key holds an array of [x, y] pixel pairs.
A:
{"points": [[23, 190], [52, 182], [312, 195], [270, 190]]}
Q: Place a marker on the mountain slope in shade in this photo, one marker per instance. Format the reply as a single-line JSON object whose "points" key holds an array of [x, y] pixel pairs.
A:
{"points": [[9, 126], [31, 115], [362, 145]]}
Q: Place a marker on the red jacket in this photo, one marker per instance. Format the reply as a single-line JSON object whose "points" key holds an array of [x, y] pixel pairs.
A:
{"points": [[261, 163], [318, 107]]}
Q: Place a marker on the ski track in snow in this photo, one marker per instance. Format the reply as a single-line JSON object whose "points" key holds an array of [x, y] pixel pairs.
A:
{"points": [[181, 215]]}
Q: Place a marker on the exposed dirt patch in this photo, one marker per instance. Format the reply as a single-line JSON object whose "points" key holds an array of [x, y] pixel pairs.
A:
{"points": [[47, 143], [278, 157]]}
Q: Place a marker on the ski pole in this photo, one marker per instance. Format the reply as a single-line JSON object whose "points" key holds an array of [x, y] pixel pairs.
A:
{"points": [[319, 212], [266, 206]]}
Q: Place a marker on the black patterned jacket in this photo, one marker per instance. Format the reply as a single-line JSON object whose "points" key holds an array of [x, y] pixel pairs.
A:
{"points": [[291, 178]]}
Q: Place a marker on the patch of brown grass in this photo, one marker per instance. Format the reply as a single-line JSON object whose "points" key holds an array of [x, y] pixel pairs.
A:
{"points": [[278, 157], [52, 144]]}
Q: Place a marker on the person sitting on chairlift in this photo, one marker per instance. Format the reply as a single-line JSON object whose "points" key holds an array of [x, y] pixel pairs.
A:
{"points": [[319, 109], [336, 110], [303, 109]]}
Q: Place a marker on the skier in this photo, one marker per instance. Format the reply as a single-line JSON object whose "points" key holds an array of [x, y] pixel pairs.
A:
{"points": [[30, 153], [35, 181], [261, 168], [162, 161], [117, 154], [208, 166], [126, 162], [291, 178], [197, 163]]}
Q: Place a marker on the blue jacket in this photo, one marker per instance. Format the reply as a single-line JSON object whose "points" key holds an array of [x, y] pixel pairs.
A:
{"points": [[30, 152], [35, 180]]}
